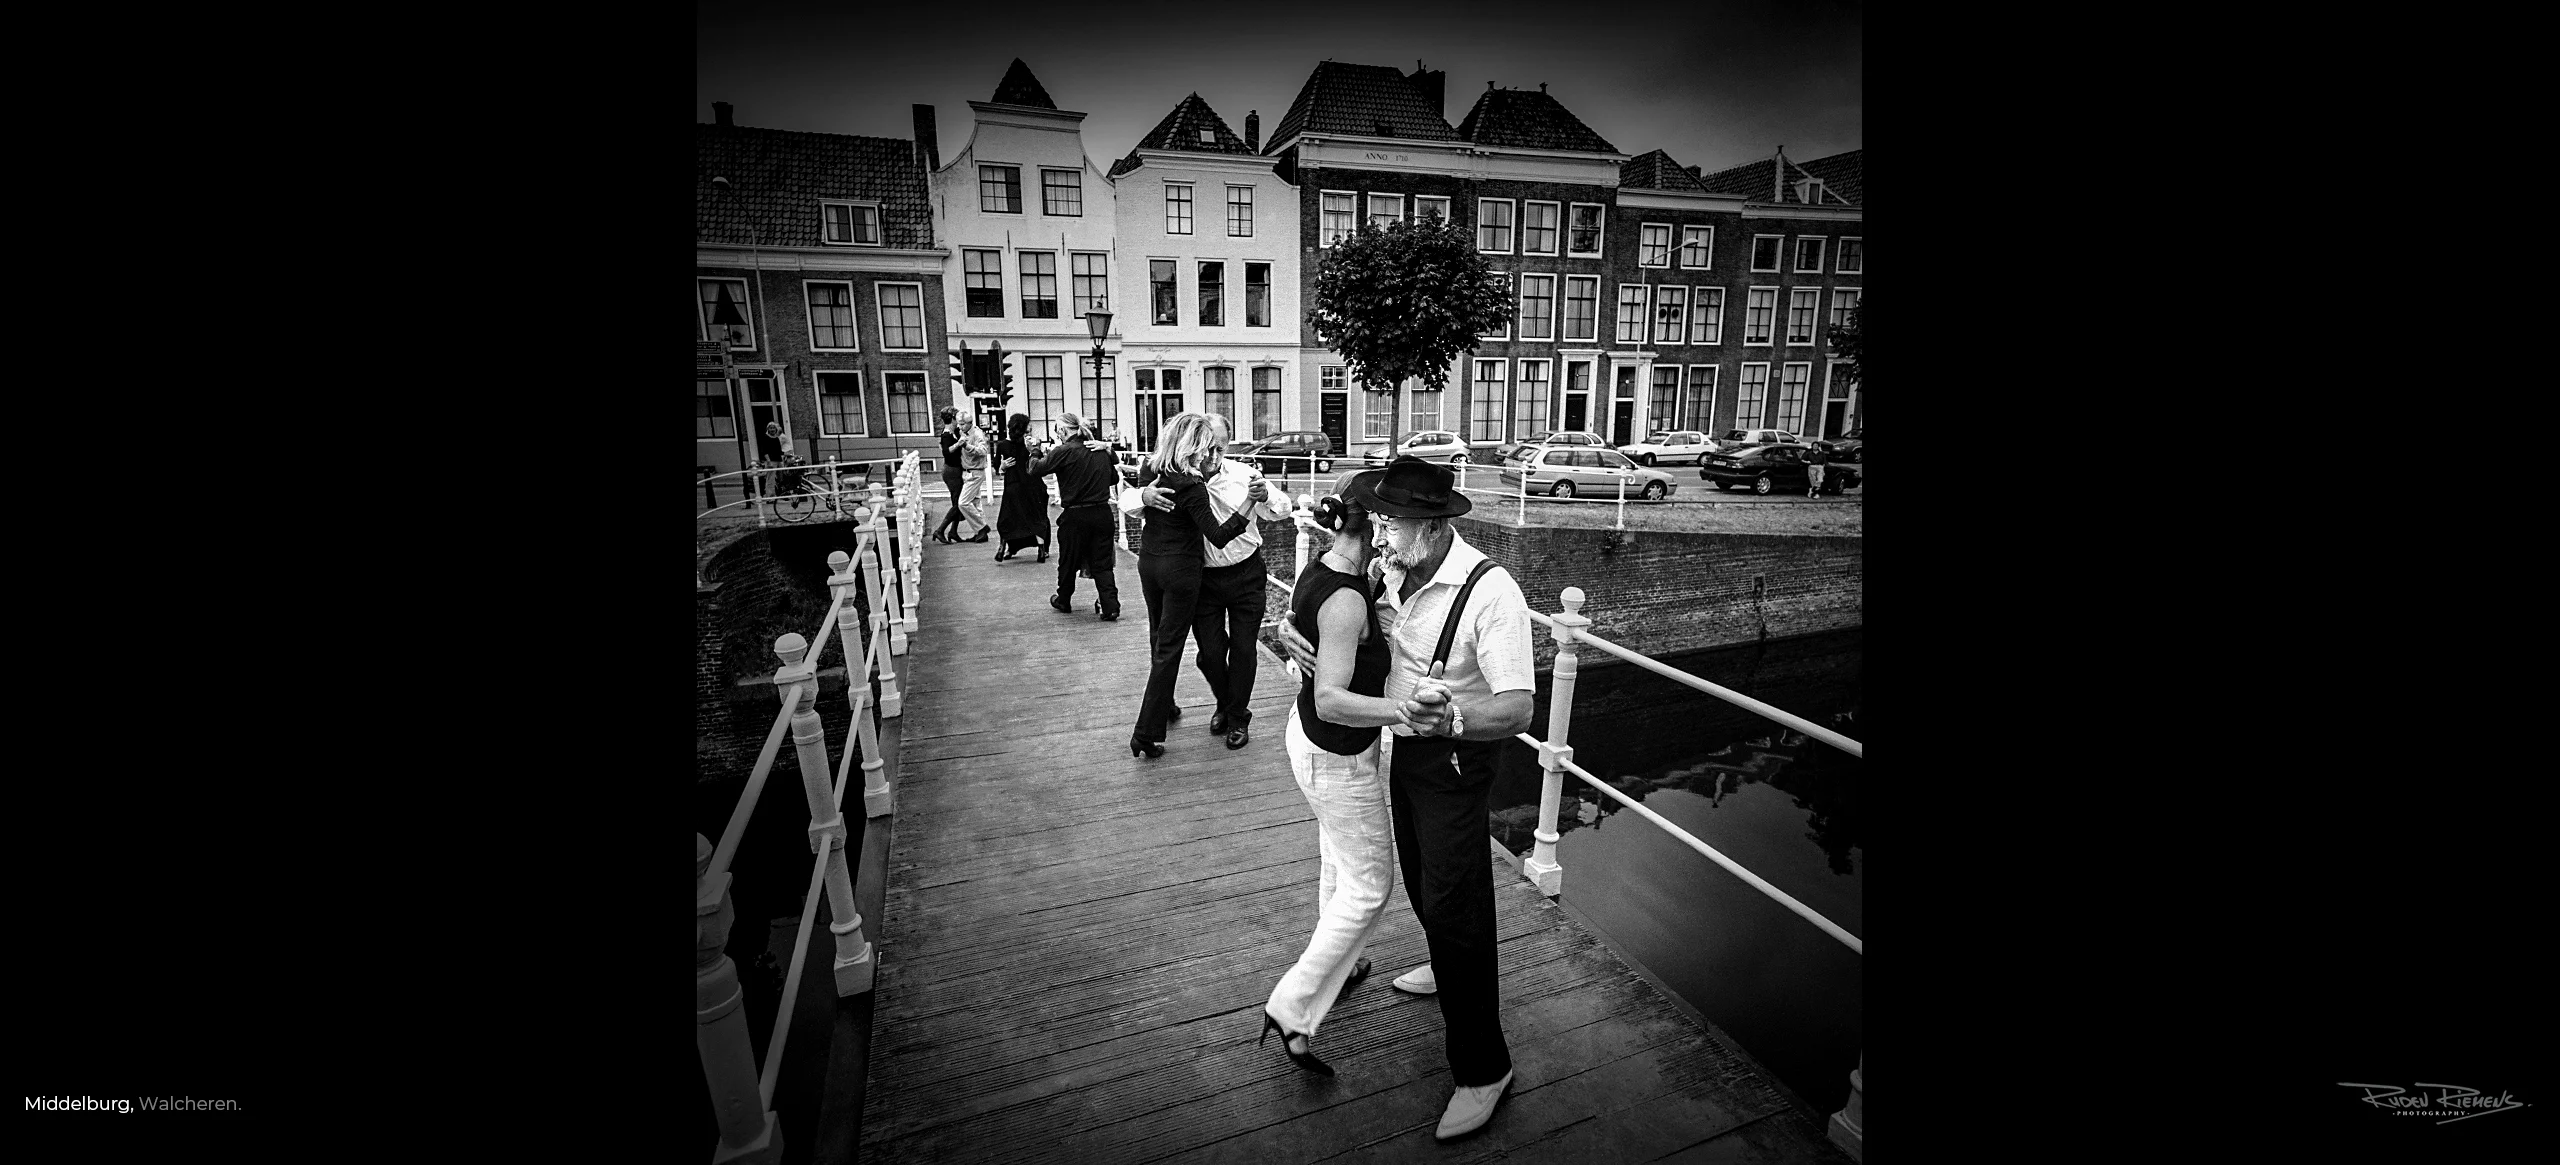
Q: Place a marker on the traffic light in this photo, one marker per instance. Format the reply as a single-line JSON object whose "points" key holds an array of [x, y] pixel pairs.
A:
{"points": [[1003, 386], [961, 368]]}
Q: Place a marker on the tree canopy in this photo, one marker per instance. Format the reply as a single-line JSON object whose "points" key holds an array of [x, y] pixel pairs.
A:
{"points": [[1405, 301]]}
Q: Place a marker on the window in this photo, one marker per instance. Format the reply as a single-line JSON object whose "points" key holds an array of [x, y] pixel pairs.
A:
{"points": [[1493, 224], [1809, 254], [1177, 208], [1218, 395], [1529, 399], [1000, 189], [850, 224], [1670, 314], [1062, 192], [731, 295], [831, 316], [982, 277], [1101, 396], [907, 411], [1843, 301], [1337, 217], [1257, 295], [1750, 400], [1501, 279], [1213, 294], [1631, 301], [1039, 285], [1332, 378], [1240, 211], [1427, 206], [1537, 307], [713, 415], [1707, 326], [1665, 403], [1582, 307], [1538, 228], [1168, 310], [1698, 406], [840, 405], [1266, 403], [1585, 236], [1091, 283], [1386, 209], [1485, 400], [1759, 310], [1377, 417], [1764, 252], [901, 319], [1791, 388], [1800, 312], [1653, 247], [1044, 389], [1696, 244], [1425, 413], [1853, 256]]}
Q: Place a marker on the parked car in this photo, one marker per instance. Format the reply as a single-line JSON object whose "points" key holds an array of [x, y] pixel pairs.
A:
{"points": [[1575, 471], [1296, 451], [1848, 446], [1516, 450], [1772, 469], [1734, 439], [1676, 447], [1429, 445]]}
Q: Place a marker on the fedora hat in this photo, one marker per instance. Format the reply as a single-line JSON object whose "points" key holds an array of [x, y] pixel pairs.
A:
{"points": [[1410, 487]]}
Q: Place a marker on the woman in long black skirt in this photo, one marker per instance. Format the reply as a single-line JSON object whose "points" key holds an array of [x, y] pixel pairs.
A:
{"points": [[1024, 519]]}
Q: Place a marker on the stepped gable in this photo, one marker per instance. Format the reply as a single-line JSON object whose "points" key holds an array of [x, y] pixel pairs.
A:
{"points": [[1180, 130], [1371, 100], [1656, 171], [1019, 87], [1518, 117], [1844, 174], [777, 176]]}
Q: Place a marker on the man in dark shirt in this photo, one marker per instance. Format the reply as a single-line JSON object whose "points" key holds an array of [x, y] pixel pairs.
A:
{"points": [[1086, 474], [1813, 461]]}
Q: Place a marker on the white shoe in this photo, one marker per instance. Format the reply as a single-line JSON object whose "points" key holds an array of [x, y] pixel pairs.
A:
{"points": [[1470, 1108], [1417, 981]]}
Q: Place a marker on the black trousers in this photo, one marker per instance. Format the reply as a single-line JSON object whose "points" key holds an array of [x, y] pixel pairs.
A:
{"points": [[1084, 543], [951, 481], [1171, 584], [1225, 624], [1439, 791]]}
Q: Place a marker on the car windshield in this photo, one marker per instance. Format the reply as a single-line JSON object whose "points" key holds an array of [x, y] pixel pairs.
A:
{"points": [[1736, 435]]}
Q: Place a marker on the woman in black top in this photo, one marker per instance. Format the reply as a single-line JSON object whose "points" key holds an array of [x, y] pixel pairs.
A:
{"points": [[1024, 517], [949, 435], [1333, 749], [1169, 562]]}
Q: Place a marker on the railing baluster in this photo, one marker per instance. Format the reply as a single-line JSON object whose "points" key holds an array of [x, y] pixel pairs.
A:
{"points": [[798, 677], [1848, 1126], [748, 1130], [878, 660], [1542, 867]]}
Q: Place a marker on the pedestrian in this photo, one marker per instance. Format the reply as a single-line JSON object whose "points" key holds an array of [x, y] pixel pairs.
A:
{"points": [[770, 446], [949, 436], [1023, 519], [1234, 591], [1169, 560], [1332, 742], [1461, 663], [1814, 458], [1087, 474]]}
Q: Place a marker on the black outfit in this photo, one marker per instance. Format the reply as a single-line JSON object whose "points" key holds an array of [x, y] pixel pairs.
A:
{"points": [[1024, 518], [950, 478], [1224, 625], [1085, 475], [1439, 790], [1316, 584], [1169, 576]]}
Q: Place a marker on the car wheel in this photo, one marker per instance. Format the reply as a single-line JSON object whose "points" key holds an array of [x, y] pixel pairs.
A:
{"points": [[1324, 467], [1647, 459], [1457, 459], [1653, 491], [1762, 484], [1561, 489]]}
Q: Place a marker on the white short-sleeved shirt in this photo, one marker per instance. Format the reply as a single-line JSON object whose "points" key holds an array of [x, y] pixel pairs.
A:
{"points": [[1494, 650]]}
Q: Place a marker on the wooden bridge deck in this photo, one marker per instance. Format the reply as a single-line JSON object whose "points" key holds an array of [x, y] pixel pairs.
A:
{"points": [[1075, 944]]}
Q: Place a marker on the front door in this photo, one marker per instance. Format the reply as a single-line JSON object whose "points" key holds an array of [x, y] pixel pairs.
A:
{"points": [[1622, 408], [1159, 400], [762, 405], [1335, 412], [1835, 417]]}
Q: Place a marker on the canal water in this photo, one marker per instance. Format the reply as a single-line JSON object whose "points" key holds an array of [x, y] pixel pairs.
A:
{"points": [[1782, 806]]}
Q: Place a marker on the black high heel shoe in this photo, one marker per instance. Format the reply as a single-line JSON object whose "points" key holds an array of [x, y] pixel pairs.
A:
{"points": [[1144, 748], [1306, 1060], [1044, 553], [1359, 971]]}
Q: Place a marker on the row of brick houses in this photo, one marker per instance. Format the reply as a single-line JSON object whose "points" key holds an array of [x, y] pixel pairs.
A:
{"points": [[843, 273]]}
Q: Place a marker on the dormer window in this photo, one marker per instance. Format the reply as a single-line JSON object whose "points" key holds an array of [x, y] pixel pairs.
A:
{"points": [[1810, 191], [850, 224], [1208, 137]]}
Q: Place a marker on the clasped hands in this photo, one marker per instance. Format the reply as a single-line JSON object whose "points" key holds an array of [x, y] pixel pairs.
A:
{"points": [[1427, 713]]}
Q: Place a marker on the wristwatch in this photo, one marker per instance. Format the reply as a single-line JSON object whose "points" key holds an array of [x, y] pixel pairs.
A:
{"points": [[1457, 721]]}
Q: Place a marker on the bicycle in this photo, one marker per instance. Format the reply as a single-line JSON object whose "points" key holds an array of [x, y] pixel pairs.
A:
{"points": [[801, 492]]}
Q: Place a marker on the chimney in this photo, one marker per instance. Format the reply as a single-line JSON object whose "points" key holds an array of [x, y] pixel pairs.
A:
{"points": [[720, 112], [1778, 178], [928, 151], [1434, 86], [1253, 131]]}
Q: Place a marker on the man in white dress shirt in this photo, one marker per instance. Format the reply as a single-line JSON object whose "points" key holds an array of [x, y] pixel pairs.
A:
{"points": [[1234, 585]]}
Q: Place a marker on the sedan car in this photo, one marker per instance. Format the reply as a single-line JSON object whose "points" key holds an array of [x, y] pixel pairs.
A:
{"points": [[1570, 471], [1675, 447], [1517, 450], [1732, 440], [1771, 469], [1848, 446], [1297, 451]]}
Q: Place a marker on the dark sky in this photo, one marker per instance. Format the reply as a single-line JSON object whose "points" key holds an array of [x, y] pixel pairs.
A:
{"points": [[1716, 82]]}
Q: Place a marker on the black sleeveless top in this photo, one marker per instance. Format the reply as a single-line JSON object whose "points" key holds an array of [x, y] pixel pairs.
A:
{"points": [[1368, 667]]}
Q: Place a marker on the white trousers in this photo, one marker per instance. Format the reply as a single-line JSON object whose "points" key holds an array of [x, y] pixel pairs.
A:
{"points": [[1356, 839], [972, 485]]}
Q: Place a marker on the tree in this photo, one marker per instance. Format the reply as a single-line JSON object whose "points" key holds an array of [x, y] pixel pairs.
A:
{"points": [[1848, 345], [1403, 301]]}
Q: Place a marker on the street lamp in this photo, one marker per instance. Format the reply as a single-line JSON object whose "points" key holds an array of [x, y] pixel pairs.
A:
{"points": [[1098, 322]]}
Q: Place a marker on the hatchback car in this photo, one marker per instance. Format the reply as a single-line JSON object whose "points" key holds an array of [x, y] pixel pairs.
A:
{"points": [[1772, 469], [1429, 445], [1676, 447], [1566, 471], [1297, 451], [1516, 450], [1849, 446]]}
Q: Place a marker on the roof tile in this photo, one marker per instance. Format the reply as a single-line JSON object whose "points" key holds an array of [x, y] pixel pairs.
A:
{"points": [[777, 177], [1518, 117], [1340, 97], [1656, 171], [1019, 87], [1843, 174], [1180, 130]]}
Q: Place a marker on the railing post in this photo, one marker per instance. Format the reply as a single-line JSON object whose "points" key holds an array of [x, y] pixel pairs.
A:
{"points": [[1542, 867], [1622, 502], [1848, 1126], [748, 1132], [876, 656], [890, 614], [1524, 493], [797, 680]]}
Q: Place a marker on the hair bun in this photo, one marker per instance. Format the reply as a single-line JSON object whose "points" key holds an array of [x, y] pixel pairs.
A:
{"points": [[1333, 513]]}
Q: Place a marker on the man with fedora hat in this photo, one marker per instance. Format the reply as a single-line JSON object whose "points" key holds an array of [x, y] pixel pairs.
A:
{"points": [[1440, 776]]}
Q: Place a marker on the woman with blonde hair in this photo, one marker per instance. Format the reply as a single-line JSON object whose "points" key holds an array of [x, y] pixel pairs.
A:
{"points": [[1169, 559]]}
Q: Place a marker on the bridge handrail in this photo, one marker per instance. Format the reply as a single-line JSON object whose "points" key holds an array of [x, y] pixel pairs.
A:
{"points": [[1728, 695]]}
